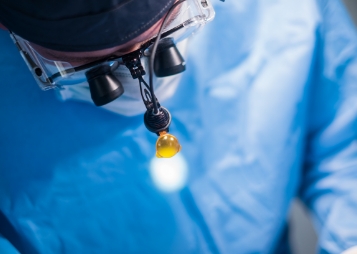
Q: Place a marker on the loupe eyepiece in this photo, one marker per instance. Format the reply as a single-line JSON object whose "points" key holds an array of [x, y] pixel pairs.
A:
{"points": [[103, 85], [168, 60]]}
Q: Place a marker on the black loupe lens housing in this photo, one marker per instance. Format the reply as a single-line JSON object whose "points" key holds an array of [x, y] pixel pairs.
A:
{"points": [[103, 85], [168, 60]]}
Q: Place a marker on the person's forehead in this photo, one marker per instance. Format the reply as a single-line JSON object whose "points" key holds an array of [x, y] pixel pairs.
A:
{"points": [[87, 25]]}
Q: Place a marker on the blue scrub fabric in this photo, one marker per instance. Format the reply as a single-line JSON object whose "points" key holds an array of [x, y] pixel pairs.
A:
{"points": [[266, 111]]}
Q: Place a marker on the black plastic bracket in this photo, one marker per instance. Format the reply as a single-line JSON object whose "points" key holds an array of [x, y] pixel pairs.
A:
{"points": [[133, 63]]}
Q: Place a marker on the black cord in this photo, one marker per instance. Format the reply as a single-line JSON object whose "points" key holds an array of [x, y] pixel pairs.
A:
{"points": [[144, 82], [141, 90], [153, 52], [147, 93]]}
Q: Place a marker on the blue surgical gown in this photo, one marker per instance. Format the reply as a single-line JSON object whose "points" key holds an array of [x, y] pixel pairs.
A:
{"points": [[266, 111]]}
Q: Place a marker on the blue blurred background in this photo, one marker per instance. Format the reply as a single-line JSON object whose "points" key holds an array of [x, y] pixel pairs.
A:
{"points": [[302, 234]]}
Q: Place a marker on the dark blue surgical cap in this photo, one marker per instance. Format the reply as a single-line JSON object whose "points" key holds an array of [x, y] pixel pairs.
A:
{"points": [[81, 25]]}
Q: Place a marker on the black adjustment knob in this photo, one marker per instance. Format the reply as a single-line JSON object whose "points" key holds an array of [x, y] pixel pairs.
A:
{"points": [[157, 122]]}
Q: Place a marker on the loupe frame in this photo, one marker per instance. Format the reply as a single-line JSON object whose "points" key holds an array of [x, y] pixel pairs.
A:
{"points": [[48, 82]]}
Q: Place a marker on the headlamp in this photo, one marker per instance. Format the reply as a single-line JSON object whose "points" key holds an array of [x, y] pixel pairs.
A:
{"points": [[164, 60]]}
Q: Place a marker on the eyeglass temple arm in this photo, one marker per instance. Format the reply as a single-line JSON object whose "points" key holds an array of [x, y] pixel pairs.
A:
{"points": [[35, 70]]}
